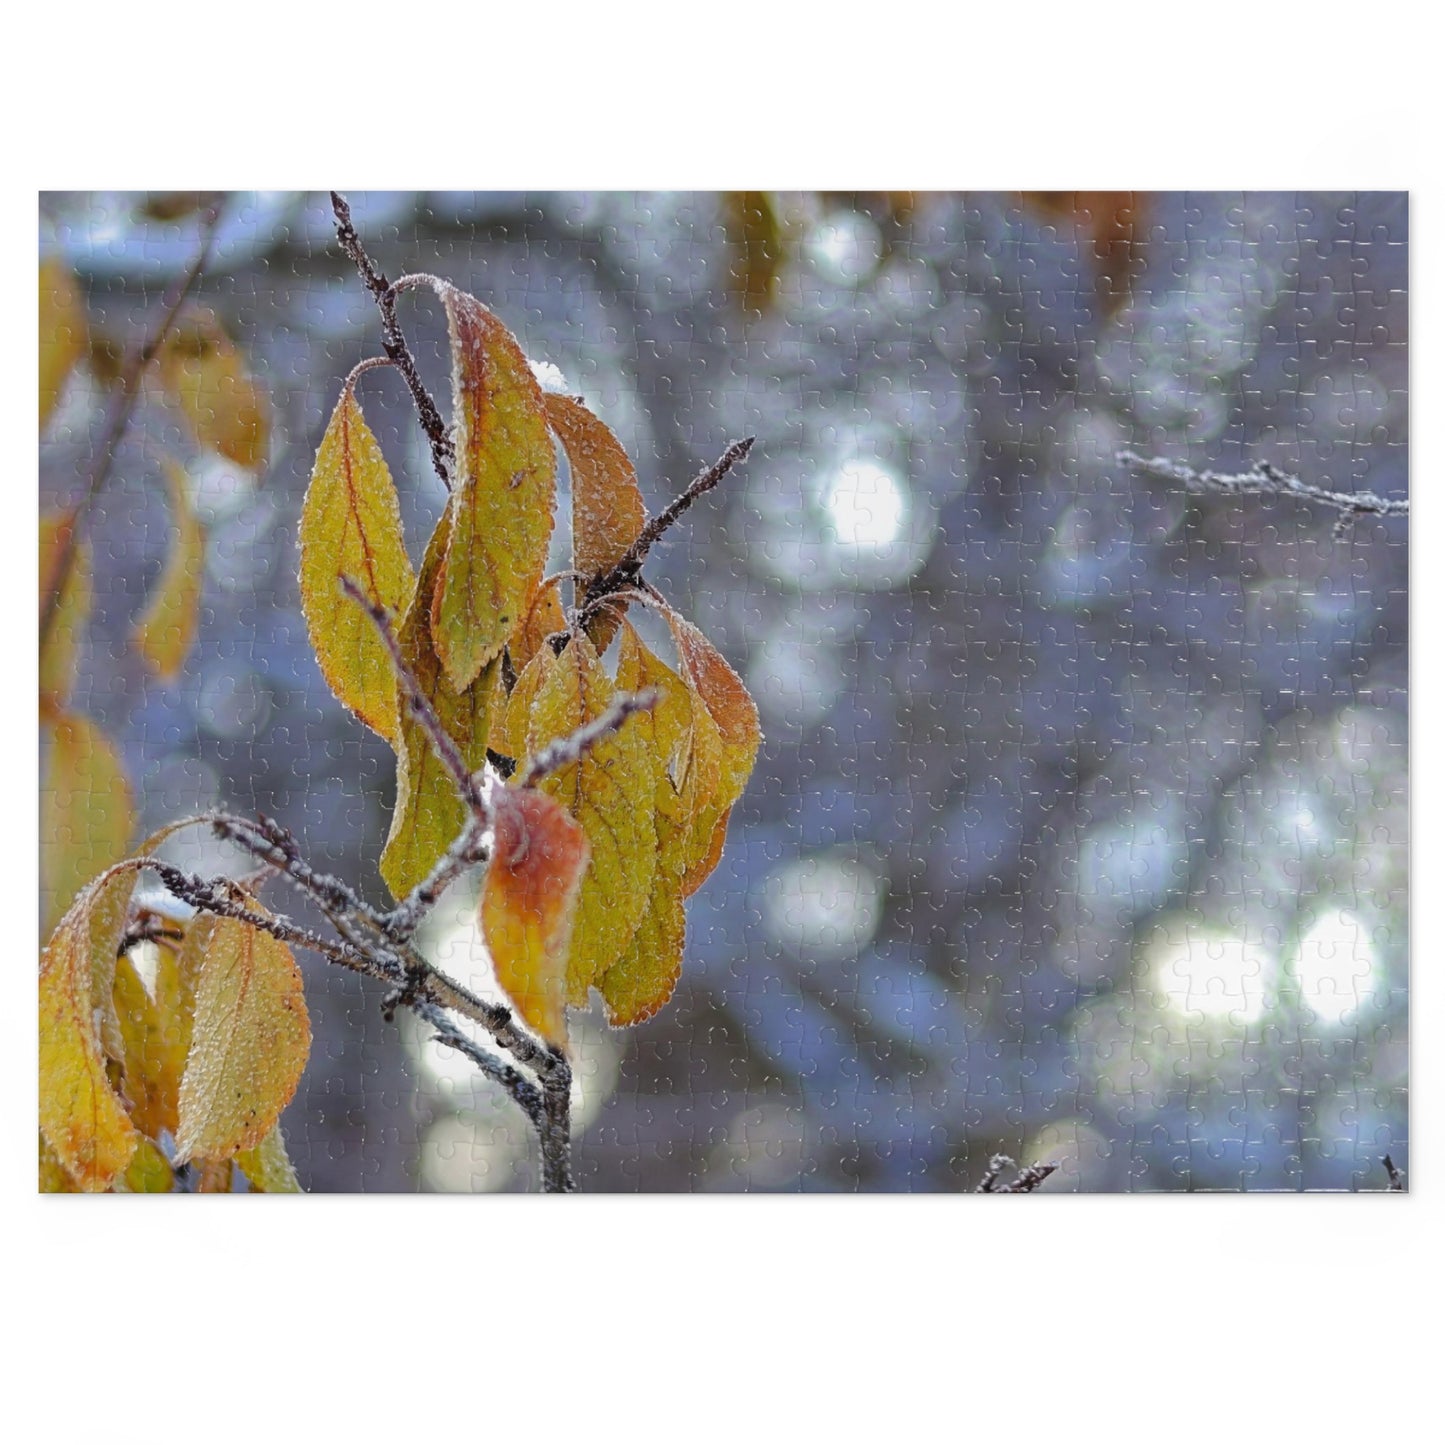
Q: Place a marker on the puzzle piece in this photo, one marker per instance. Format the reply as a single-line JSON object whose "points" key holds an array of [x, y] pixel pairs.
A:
{"points": [[1078, 834]]}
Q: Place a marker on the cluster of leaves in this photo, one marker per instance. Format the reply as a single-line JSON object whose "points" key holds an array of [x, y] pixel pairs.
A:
{"points": [[593, 849], [600, 793], [206, 1049]]}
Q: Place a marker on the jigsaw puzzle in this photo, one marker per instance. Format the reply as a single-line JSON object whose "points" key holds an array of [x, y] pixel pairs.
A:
{"points": [[889, 691]]}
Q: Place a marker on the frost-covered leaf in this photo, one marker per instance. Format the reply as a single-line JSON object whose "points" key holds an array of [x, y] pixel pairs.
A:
{"points": [[428, 814], [81, 1117], [502, 492], [85, 808], [544, 616], [53, 1178], [607, 508], [167, 628], [61, 643], [149, 1172], [62, 332], [642, 980], [249, 1044], [697, 873], [351, 525], [202, 369], [153, 1055], [726, 698], [268, 1167], [610, 793], [529, 901]]}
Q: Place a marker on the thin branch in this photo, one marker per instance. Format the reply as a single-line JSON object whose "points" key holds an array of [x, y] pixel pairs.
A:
{"points": [[996, 1166], [1024, 1182], [563, 752], [1266, 480], [625, 572], [1397, 1179], [526, 1094], [443, 453], [442, 744], [465, 852], [120, 414]]}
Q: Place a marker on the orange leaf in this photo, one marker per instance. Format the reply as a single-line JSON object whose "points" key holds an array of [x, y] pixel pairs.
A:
{"points": [[249, 1045], [502, 493], [607, 508], [351, 525], [529, 903], [164, 634]]}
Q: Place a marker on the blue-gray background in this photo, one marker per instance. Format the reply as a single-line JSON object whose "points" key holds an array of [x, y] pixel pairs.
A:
{"points": [[1080, 827]]}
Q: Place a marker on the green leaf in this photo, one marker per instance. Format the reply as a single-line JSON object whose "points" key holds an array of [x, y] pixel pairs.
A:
{"points": [[268, 1167], [502, 492], [610, 793], [428, 814], [81, 1118], [249, 1045], [148, 1172], [61, 644], [351, 525], [85, 808], [62, 332], [529, 904], [167, 628]]}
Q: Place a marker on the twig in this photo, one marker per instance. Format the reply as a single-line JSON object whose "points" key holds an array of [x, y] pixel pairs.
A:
{"points": [[624, 574], [1397, 1179], [442, 744], [1024, 1182], [1266, 480], [443, 453], [563, 752], [465, 852], [120, 414], [526, 1093]]}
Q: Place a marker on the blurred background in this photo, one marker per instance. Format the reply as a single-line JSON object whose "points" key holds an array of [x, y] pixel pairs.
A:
{"points": [[1080, 827]]}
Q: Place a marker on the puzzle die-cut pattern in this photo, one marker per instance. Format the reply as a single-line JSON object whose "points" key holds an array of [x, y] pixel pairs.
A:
{"points": [[1077, 790]]}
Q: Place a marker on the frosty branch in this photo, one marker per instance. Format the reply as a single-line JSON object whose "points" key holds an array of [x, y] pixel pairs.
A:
{"points": [[1266, 480]]}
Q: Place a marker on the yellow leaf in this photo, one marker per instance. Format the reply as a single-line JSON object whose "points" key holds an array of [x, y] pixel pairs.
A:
{"points": [[80, 1115], [610, 793], [502, 492], [643, 979], [428, 814], [249, 1045], [607, 508], [85, 809], [60, 645], [698, 872], [351, 525], [147, 1173], [529, 902], [167, 628], [267, 1167], [202, 369], [62, 332], [153, 1058], [53, 1178], [543, 617]]}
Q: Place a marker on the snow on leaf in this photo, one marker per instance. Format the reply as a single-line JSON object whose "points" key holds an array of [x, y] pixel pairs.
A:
{"points": [[529, 903], [351, 525], [502, 492]]}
